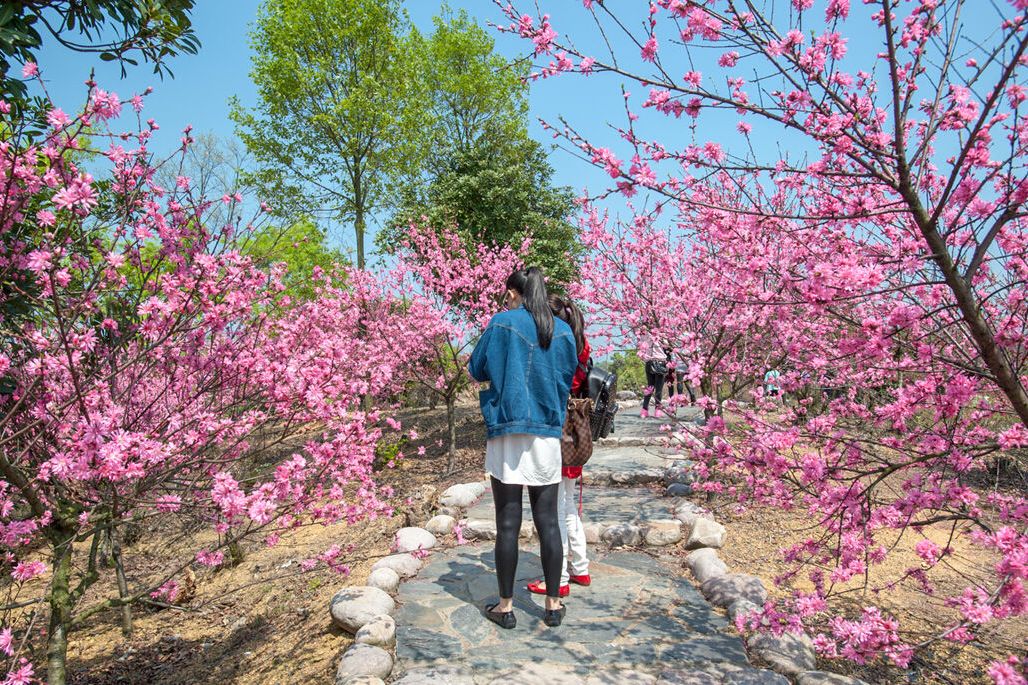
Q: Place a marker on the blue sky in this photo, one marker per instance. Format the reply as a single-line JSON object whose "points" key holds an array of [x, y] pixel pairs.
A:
{"points": [[203, 83], [199, 92]]}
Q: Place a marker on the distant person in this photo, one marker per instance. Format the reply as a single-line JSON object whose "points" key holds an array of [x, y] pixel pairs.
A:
{"points": [[529, 359], [669, 381], [677, 381], [657, 361], [831, 388], [569, 516], [771, 388]]}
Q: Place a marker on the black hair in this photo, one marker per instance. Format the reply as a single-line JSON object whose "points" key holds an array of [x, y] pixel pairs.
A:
{"points": [[565, 309], [529, 283]]}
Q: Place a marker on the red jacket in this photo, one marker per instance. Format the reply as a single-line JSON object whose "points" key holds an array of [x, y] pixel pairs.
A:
{"points": [[579, 388]]}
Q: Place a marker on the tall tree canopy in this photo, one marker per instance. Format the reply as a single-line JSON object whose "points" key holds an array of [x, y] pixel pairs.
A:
{"points": [[342, 107], [485, 176], [499, 191], [475, 92]]}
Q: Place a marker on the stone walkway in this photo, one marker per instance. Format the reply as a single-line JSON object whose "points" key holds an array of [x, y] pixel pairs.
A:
{"points": [[630, 428], [604, 504], [639, 614], [641, 620]]}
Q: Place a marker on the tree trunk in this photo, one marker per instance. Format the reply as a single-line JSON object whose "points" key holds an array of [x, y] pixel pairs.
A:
{"points": [[706, 390], [358, 229], [123, 593], [235, 553], [1006, 377], [60, 608], [451, 427]]}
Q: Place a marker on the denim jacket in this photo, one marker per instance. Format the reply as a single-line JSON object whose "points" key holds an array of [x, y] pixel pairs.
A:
{"points": [[529, 386]]}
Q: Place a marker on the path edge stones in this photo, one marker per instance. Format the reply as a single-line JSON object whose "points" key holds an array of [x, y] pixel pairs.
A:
{"points": [[791, 654], [371, 657]]}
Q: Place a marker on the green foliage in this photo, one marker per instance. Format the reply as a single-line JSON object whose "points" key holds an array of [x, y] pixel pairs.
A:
{"points": [[301, 246], [485, 177], [630, 370], [499, 192], [342, 108], [156, 30], [388, 451], [475, 93]]}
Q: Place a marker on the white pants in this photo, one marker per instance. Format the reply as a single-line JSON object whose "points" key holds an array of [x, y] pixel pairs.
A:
{"points": [[572, 533]]}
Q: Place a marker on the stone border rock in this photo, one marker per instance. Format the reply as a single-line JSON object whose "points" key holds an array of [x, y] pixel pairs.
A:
{"points": [[791, 655], [364, 611]]}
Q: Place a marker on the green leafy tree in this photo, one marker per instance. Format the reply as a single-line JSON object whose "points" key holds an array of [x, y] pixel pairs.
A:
{"points": [[301, 246], [630, 370], [485, 176], [116, 30], [476, 93], [499, 192], [342, 108]]}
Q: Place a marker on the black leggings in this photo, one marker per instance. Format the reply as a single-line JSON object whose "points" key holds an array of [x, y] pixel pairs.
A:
{"points": [[656, 381], [681, 384], [508, 527]]}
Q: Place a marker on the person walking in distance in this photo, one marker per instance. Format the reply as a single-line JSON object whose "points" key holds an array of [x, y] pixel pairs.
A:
{"points": [[529, 359], [569, 517], [656, 367]]}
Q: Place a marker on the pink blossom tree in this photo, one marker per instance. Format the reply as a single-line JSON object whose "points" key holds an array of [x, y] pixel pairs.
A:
{"points": [[894, 199], [150, 371], [452, 287], [702, 296]]}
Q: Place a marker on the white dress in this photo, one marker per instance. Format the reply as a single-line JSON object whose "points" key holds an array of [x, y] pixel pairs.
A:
{"points": [[523, 459]]}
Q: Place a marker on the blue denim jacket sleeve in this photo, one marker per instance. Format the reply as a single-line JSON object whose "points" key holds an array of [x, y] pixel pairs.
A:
{"points": [[486, 360]]}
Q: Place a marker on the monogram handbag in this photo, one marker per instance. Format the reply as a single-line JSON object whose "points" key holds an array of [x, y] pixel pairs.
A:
{"points": [[576, 442]]}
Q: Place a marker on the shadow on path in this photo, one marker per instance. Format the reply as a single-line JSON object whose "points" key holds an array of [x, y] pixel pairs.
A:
{"points": [[638, 613]]}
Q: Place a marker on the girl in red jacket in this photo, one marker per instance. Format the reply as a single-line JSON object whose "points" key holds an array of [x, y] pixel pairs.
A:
{"points": [[568, 515]]}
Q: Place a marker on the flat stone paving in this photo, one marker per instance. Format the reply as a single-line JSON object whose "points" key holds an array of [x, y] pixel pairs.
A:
{"points": [[608, 463], [638, 614], [628, 423], [601, 504], [639, 622]]}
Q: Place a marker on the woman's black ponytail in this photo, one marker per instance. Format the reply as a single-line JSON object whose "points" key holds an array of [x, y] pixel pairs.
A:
{"points": [[529, 283]]}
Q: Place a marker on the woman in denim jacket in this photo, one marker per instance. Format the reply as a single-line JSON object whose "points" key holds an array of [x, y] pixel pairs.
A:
{"points": [[529, 358]]}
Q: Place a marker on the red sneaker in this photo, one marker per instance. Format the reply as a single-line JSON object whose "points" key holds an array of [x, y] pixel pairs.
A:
{"points": [[536, 587], [580, 580]]}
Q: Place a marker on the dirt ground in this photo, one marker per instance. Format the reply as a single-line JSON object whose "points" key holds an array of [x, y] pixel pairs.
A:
{"points": [[263, 621]]}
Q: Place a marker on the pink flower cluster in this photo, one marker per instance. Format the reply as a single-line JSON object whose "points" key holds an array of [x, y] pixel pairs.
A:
{"points": [[162, 366]]}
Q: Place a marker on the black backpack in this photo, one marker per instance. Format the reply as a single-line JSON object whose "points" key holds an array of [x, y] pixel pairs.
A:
{"points": [[603, 391]]}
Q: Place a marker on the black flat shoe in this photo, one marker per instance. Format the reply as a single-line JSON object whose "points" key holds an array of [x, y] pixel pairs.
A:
{"points": [[504, 619], [553, 617]]}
